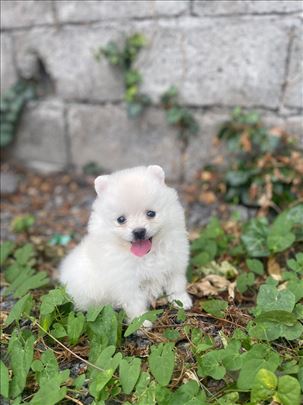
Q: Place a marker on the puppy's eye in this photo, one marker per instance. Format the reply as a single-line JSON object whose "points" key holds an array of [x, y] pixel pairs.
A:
{"points": [[150, 214], [121, 220]]}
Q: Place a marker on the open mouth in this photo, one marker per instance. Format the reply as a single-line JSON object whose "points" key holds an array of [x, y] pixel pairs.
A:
{"points": [[141, 247]]}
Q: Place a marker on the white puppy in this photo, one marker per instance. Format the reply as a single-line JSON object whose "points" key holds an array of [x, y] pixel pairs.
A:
{"points": [[136, 247]]}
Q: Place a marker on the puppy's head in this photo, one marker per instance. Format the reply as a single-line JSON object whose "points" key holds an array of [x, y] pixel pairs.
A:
{"points": [[135, 206]]}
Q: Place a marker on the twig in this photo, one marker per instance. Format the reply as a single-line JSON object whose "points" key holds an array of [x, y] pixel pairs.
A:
{"points": [[76, 401]]}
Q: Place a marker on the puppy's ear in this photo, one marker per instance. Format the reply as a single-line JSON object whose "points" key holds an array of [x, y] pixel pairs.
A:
{"points": [[101, 184], [158, 172]]}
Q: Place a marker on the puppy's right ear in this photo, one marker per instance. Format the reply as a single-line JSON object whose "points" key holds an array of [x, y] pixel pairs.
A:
{"points": [[101, 184], [158, 172]]}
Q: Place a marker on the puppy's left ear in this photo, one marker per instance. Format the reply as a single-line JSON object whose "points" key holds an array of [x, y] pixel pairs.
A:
{"points": [[101, 184], [158, 172]]}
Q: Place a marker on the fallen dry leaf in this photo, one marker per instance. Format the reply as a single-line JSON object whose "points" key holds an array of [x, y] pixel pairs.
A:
{"points": [[274, 269], [211, 285], [207, 197], [246, 142]]}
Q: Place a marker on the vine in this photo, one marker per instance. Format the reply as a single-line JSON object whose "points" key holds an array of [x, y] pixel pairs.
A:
{"points": [[11, 108]]}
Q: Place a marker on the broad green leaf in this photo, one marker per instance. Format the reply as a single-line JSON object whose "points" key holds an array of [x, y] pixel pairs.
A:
{"points": [[215, 307], [21, 357], [58, 330], [24, 254], [106, 324], [92, 313], [22, 223], [280, 242], [278, 316], [129, 371], [6, 248], [137, 322], [54, 298], [254, 237], [50, 392], [161, 362], [79, 381], [106, 360], [259, 356], [264, 386], [188, 394], [288, 392], [296, 287], [255, 265], [75, 326], [4, 378], [210, 364], [237, 178], [35, 281], [99, 382], [270, 298], [24, 305], [244, 281]]}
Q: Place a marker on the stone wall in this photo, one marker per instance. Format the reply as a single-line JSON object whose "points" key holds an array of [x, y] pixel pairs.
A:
{"points": [[220, 54]]}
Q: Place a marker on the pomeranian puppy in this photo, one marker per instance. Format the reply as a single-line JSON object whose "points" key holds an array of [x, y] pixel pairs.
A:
{"points": [[136, 247]]}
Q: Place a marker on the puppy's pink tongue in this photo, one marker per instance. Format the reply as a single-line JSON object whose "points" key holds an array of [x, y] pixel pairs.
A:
{"points": [[141, 247]]}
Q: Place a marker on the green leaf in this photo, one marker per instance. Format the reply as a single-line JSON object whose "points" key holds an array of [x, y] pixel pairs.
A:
{"points": [[24, 254], [161, 362], [237, 178], [270, 298], [24, 305], [58, 330], [210, 364], [288, 392], [280, 242], [6, 248], [296, 287], [264, 386], [244, 281], [277, 316], [137, 322], [35, 281], [4, 378], [22, 223], [188, 394], [297, 263], [106, 324], [21, 356], [215, 307], [93, 313], [259, 356], [50, 392], [99, 382], [75, 326], [254, 237], [129, 371], [171, 334], [54, 298], [255, 266]]}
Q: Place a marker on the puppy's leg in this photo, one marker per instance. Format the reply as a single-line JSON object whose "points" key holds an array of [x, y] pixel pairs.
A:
{"points": [[176, 290], [135, 308]]}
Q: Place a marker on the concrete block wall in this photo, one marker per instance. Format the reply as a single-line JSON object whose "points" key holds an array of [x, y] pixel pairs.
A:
{"points": [[220, 54]]}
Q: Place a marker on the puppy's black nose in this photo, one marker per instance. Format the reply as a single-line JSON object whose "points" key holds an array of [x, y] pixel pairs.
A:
{"points": [[139, 233]]}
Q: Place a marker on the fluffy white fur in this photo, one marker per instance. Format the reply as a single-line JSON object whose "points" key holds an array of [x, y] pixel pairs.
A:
{"points": [[102, 270]]}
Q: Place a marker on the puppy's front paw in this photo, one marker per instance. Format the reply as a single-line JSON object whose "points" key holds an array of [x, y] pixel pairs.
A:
{"points": [[147, 324], [184, 298]]}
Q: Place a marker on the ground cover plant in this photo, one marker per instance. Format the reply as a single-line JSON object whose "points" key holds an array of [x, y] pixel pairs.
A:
{"points": [[241, 343], [263, 167]]}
